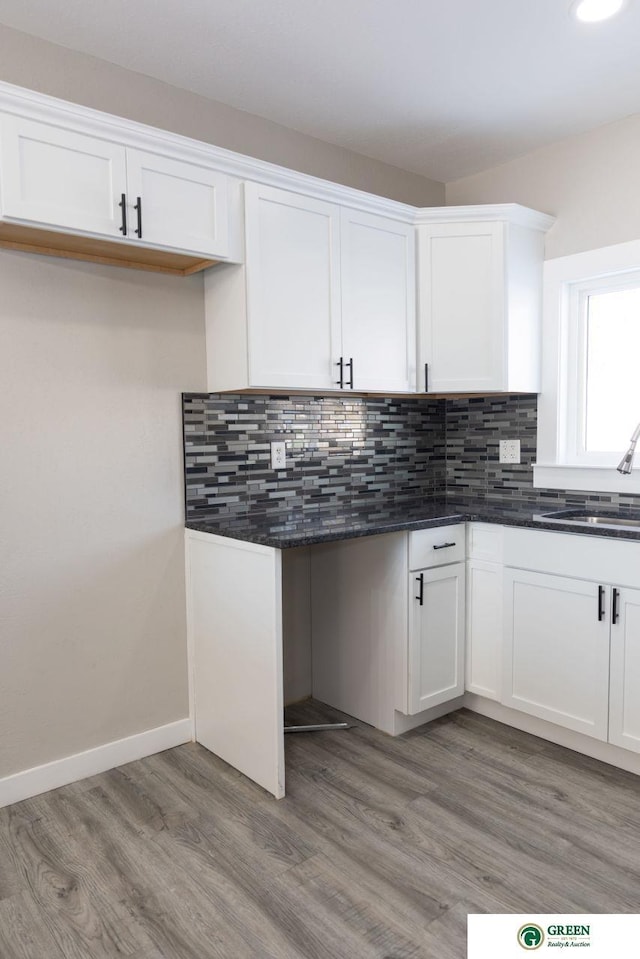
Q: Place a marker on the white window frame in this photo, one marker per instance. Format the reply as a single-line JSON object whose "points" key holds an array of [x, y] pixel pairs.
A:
{"points": [[567, 282]]}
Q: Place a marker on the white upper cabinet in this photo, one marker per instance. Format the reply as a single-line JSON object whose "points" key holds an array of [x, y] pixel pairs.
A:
{"points": [[60, 178], [378, 302], [479, 288], [176, 204], [325, 300], [292, 290]]}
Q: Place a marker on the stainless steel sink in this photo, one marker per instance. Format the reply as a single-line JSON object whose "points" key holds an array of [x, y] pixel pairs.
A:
{"points": [[581, 518]]}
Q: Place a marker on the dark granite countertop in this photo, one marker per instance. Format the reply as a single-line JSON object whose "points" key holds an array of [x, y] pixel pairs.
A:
{"points": [[289, 528]]}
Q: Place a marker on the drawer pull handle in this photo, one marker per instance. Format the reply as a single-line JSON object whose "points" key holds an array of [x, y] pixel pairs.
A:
{"points": [[615, 613], [444, 546], [420, 581], [350, 365], [138, 209], [600, 603], [123, 206]]}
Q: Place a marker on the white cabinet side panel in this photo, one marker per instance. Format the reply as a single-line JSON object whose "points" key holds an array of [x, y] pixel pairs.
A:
{"points": [[236, 622], [296, 616], [225, 312], [524, 308], [359, 625]]}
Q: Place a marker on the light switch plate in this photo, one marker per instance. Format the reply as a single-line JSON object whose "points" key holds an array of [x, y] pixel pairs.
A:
{"points": [[509, 451], [278, 456]]}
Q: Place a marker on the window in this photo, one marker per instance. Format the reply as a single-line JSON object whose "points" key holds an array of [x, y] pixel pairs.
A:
{"points": [[590, 402]]}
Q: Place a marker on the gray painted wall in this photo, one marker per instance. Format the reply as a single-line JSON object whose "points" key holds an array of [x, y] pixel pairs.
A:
{"points": [[92, 623], [589, 182]]}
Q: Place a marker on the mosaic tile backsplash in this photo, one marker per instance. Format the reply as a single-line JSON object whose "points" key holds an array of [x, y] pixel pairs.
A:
{"points": [[356, 451], [339, 450], [474, 428]]}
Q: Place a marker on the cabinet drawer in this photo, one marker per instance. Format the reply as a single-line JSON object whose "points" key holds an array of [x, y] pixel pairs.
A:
{"points": [[596, 558], [435, 547]]}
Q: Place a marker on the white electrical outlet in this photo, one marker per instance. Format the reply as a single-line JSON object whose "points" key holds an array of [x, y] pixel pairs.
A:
{"points": [[278, 456], [509, 451]]}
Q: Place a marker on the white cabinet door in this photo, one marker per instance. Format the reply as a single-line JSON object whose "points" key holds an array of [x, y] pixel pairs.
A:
{"points": [[436, 636], [177, 204], [293, 289], [57, 177], [556, 644], [624, 715], [462, 306], [484, 628], [378, 301]]}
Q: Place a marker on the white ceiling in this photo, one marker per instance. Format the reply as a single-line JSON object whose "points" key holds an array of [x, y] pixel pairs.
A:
{"points": [[444, 88]]}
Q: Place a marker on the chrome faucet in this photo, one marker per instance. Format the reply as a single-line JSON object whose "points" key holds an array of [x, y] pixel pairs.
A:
{"points": [[627, 460]]}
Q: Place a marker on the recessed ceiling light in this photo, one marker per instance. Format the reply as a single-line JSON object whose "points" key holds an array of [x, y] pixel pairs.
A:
{"points": [[592, 11]]}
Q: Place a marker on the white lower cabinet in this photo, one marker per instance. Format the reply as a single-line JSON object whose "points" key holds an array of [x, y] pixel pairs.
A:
{"points": [[572, 633], [384, 626], [624, 709], [483, 650], [484, 629], [556, 647], [378, 648], [436, 636]]}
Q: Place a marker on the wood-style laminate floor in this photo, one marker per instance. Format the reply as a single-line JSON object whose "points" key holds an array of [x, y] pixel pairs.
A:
{"points": [[380, 850]]}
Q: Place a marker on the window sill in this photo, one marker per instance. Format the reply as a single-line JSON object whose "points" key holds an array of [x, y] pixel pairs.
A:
{"points": [[585, 479]]}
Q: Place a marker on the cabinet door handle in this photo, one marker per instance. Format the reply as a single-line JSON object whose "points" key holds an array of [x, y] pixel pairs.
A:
{"points": [[420, 596], [138, 209], [444, 546], [600, 603], [123, 206], [350, 365], [340, 365], [426, 377], [615, 612]]}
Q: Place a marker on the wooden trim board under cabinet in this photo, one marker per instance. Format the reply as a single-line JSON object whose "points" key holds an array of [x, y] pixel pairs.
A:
{"points": [[73, 246]]}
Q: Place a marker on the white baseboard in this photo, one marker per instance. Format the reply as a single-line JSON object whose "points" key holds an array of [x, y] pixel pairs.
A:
{"points": [[605, 752], [61, 772]]}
